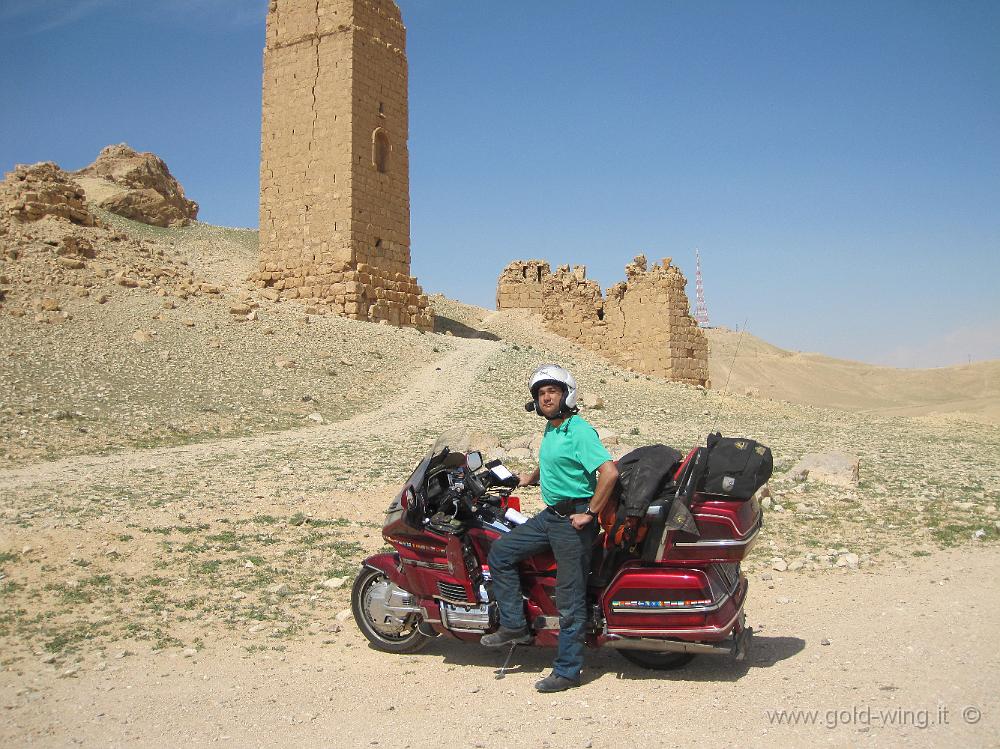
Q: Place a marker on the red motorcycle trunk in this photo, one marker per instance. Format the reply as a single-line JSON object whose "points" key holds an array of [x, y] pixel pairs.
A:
{"points": [[728, 527]]}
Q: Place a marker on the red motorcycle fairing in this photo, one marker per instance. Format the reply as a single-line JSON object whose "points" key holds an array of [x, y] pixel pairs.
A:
{"points": [[386, 562], [482, 540]]}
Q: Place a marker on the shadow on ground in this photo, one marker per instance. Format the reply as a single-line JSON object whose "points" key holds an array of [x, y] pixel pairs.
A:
{"points": [[447, 325], [764, 653]]}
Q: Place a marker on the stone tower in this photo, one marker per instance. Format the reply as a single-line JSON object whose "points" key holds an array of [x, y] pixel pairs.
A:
{"points": [[334, 172]]}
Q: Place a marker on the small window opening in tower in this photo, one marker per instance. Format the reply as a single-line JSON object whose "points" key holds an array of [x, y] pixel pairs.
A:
{"points": [[378, 244], [381, 109], [538, 274], [380, 150]]}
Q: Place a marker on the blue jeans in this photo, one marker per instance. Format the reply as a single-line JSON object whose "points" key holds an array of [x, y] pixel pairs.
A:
{"points": [[572, 552]]}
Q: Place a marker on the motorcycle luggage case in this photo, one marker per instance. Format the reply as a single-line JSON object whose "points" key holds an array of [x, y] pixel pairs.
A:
{"points": [[728, 531], [697, 604]]}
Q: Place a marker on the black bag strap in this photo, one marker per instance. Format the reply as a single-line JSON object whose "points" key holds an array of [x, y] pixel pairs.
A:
{"points": [[691, 479]]}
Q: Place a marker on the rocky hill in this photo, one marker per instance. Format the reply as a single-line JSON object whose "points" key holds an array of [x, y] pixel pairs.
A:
{"points": [[137, 186]]}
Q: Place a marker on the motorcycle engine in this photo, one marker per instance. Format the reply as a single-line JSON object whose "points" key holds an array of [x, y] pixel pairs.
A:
{"points": [[469, 618]]}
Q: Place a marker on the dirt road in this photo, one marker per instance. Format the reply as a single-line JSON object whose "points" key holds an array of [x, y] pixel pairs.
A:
{"points": [[431, 393], [911, 660]]}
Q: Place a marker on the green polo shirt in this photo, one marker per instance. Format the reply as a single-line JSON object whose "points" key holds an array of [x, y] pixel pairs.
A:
{"points": [[568, 460]]}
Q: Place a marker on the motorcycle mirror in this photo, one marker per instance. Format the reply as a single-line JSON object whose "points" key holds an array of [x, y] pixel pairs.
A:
{"points": [[529, 406], [474, 460]]}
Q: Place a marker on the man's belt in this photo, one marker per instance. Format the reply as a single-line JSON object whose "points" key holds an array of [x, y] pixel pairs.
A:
{"points": [[569, 506]]}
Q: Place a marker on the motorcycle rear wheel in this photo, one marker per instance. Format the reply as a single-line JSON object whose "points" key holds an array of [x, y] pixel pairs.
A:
{"points": [[657, 661], [390, 637]]}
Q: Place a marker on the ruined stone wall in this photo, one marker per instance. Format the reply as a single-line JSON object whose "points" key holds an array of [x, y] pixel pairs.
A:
{"points": [[521, 285], [643, 324], [334, 208]]}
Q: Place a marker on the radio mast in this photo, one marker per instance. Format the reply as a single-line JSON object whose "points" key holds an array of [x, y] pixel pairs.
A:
{"points": [[700, 310]]}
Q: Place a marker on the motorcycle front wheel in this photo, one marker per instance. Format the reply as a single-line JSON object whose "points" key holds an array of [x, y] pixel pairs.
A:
{"points": [[657, 661], [382, 629]]}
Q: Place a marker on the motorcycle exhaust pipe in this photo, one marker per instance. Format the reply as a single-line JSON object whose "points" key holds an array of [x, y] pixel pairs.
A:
{"points": [[737, 648]]}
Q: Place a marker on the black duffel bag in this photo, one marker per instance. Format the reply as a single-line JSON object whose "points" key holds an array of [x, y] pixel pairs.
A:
{"points": [[737, 467]]}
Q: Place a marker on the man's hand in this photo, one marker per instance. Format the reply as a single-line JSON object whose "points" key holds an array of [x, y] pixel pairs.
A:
{"points": [[529, 479], [607, 475]]}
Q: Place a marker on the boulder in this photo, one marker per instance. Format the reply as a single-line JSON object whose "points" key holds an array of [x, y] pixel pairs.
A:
{"points": [[46, 304], [496, 453], [483, 441], [123, 280], [147, 191], [524, 441], [70, 263], [837, 468], [75, 246], [31, 192], [591, 401]]}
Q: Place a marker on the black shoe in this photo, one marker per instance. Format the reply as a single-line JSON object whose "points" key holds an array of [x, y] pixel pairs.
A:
{"points": [[556, 683], [506, 636]]}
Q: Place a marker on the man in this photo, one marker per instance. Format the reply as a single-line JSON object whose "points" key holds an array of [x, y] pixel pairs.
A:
{"points": [[577, 476]]}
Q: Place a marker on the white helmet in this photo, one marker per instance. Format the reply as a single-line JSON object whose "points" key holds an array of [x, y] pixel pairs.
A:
{"points": [[553, 374]]}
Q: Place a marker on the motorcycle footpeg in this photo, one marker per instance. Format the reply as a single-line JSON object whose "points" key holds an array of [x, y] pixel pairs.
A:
{"points": [[504, 637]]}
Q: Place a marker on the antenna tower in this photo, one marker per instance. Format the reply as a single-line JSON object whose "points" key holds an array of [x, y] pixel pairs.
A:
{"points": [[700, 310]]}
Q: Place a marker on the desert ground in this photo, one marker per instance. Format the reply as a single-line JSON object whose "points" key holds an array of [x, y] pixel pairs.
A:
{"points": [[187, 489]]}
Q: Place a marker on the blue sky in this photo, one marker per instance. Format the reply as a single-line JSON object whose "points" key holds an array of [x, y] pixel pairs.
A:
{"points": [[837, 164]]}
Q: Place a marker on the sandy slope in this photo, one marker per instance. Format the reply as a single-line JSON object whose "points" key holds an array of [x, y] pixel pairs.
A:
{"points": [[744, 361]]}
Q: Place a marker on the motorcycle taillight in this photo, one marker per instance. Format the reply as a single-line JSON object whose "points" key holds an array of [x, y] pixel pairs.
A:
{"points": [[512, 503]]}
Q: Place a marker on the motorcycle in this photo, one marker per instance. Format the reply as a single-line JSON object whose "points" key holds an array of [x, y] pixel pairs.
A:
{"points": [[669, 597]]}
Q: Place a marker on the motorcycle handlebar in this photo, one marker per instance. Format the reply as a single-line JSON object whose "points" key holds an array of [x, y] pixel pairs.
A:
{"points": [[475, 485]]}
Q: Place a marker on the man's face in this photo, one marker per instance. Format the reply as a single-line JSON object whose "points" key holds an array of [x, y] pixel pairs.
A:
{"points": [[549, 397]]}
